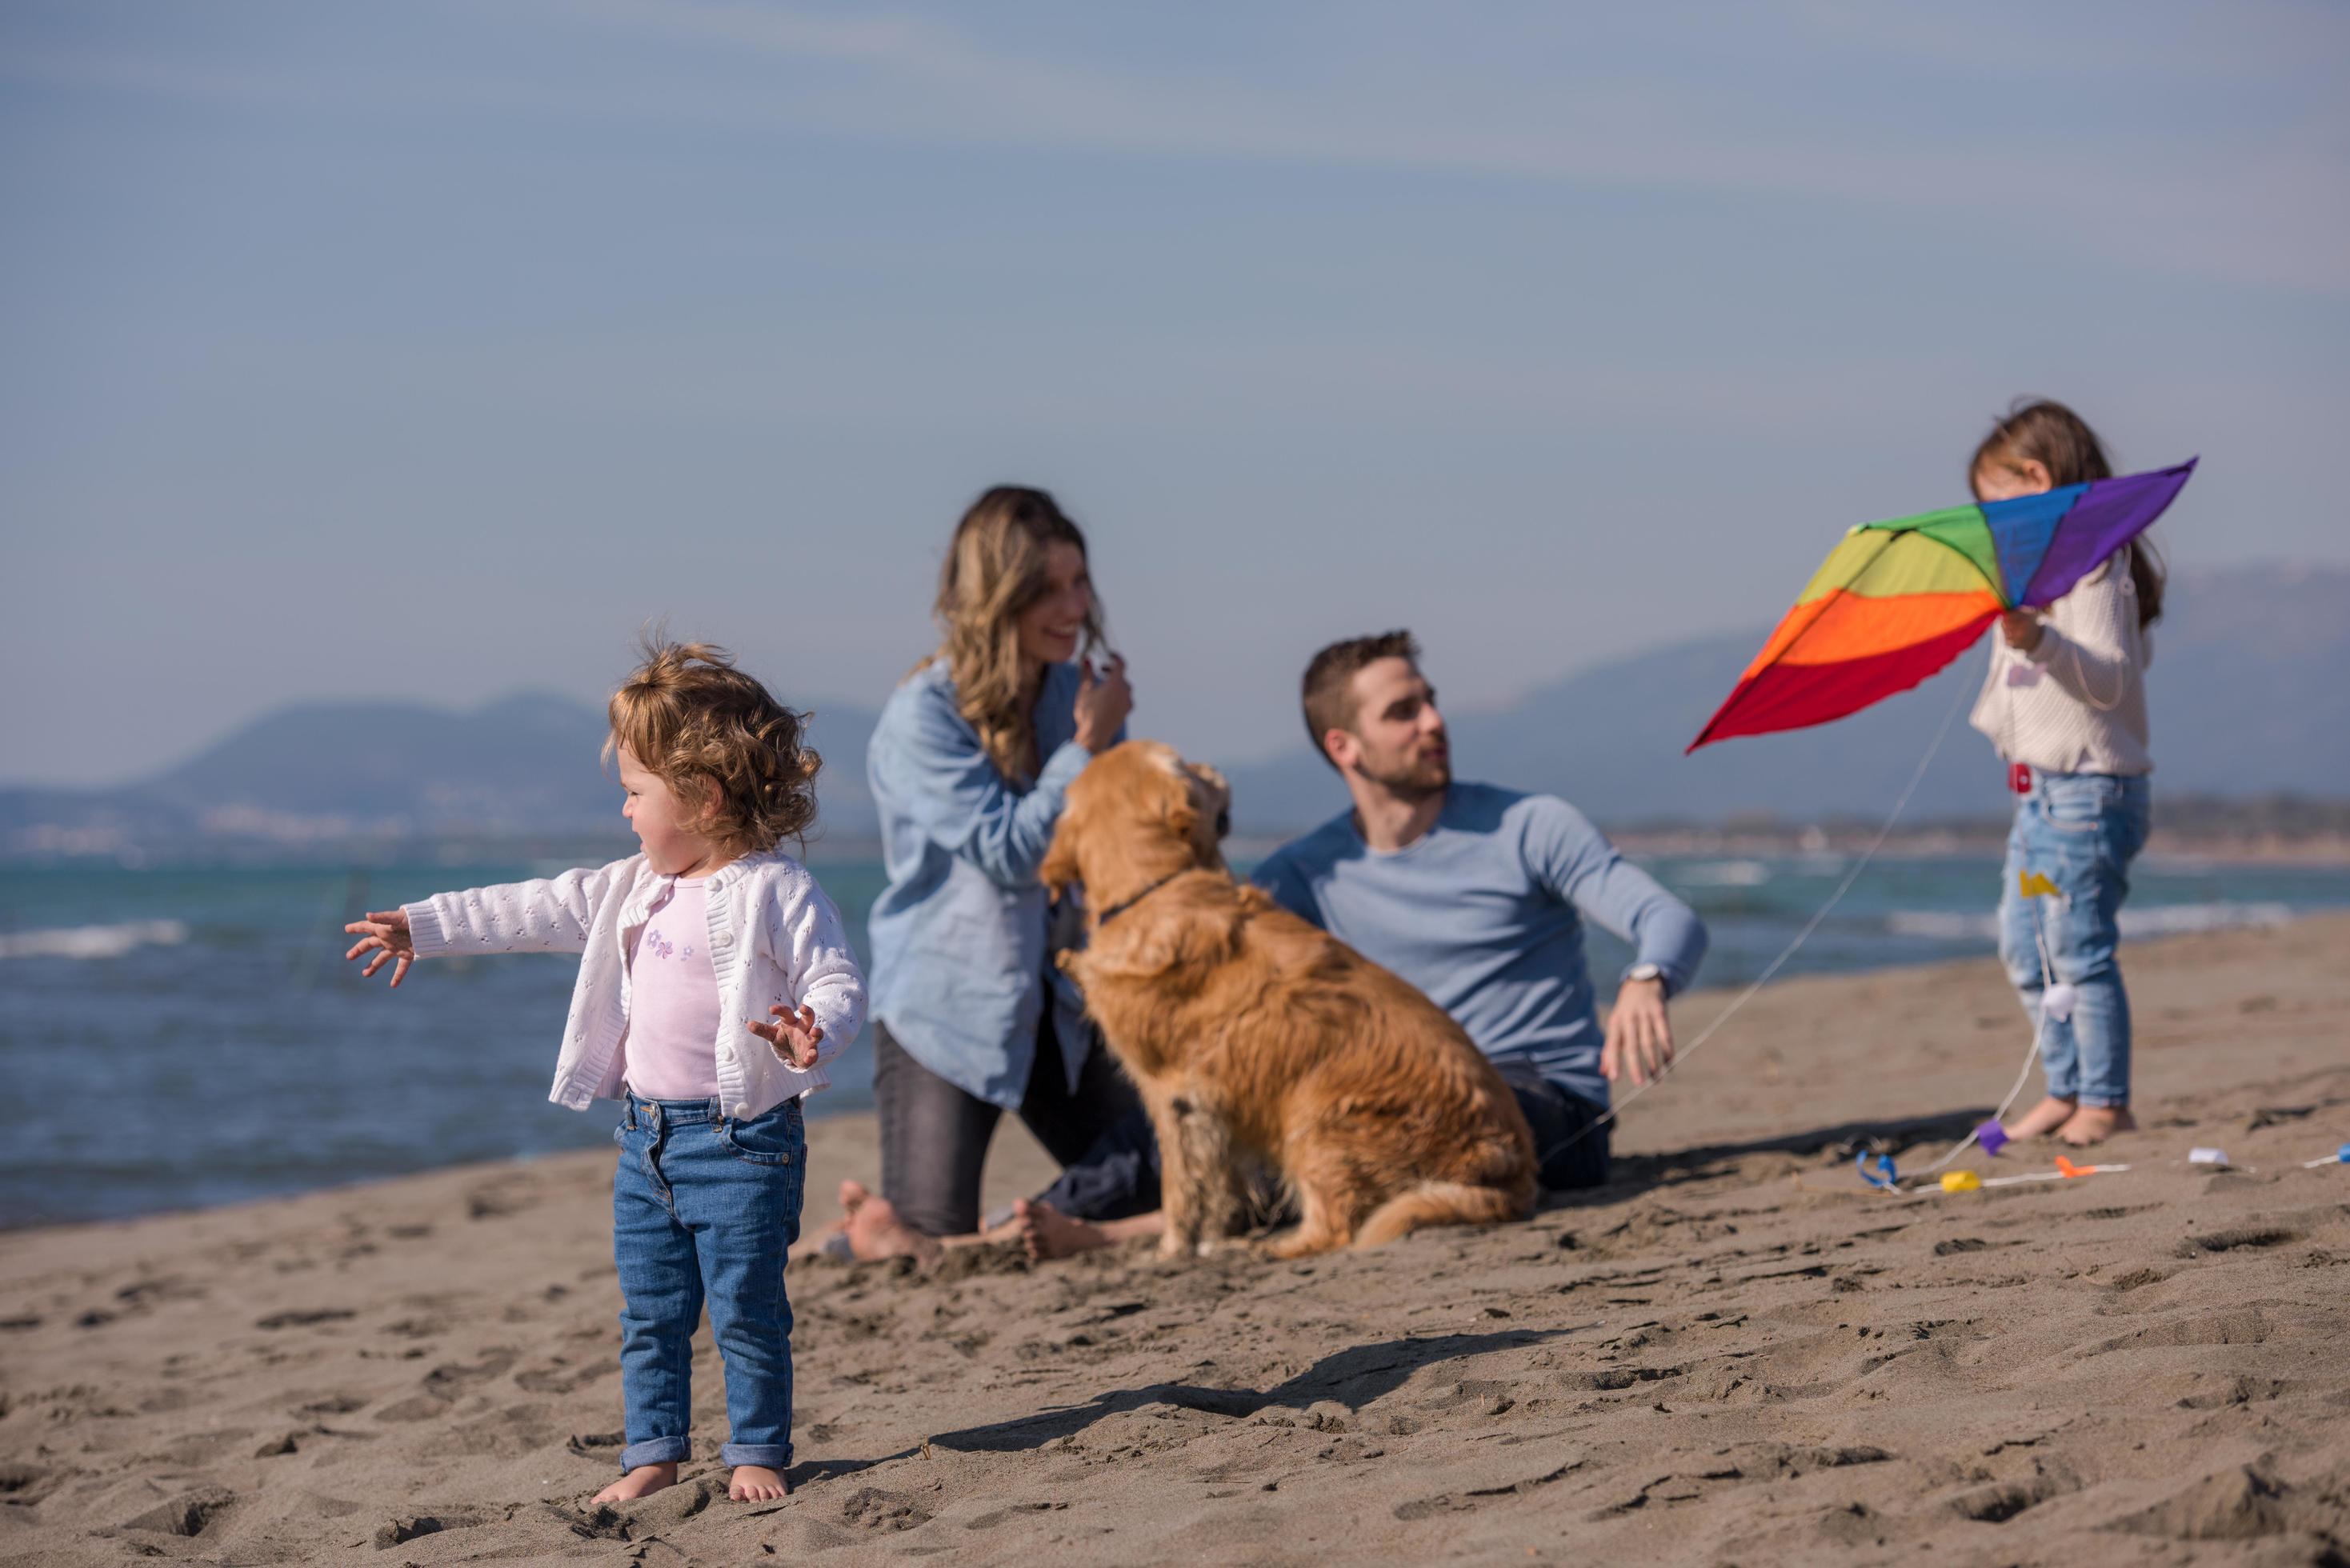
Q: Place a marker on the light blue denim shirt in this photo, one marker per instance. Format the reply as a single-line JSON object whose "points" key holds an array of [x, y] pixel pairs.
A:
{"points": [[960, 973]]}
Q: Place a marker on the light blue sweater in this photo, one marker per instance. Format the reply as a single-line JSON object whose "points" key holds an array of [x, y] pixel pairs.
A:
{"points": [[1481, 913]]}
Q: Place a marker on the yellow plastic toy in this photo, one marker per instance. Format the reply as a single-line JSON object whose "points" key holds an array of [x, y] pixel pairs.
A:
{"points": [[2035, 884], [1960, 1181]]}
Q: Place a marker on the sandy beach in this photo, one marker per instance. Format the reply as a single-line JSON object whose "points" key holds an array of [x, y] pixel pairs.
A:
{"points": [[1735, 1354]]}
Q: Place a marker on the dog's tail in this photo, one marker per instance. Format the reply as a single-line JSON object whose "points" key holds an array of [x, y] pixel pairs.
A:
{"points": [[1440, 1203]]}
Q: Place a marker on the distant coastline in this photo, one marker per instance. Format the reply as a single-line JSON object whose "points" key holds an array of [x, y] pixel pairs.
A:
{"points": [[2270, 831]]}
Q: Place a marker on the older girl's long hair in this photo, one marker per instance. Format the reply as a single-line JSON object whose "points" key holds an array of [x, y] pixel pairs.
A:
{"points": [[2061, 441], [995, 569]]}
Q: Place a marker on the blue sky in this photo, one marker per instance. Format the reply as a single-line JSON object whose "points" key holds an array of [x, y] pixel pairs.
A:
{"points": [[428, 350]]}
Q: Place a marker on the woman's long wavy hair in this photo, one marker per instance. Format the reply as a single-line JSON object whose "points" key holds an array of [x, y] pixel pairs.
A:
{"points": [[996, 568], [2061, 440]]}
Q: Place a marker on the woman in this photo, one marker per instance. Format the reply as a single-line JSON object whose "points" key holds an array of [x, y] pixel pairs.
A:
{"points": [[968, 767]]}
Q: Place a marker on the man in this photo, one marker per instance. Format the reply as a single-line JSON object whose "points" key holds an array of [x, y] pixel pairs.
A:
{"points": [[1477, 895]]}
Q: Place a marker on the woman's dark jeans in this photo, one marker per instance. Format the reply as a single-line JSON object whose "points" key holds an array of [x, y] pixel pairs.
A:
{"points": [[934, 1136]]}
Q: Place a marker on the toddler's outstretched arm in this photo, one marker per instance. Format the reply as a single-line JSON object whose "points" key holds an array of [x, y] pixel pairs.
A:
{"points": [[545, 917]]}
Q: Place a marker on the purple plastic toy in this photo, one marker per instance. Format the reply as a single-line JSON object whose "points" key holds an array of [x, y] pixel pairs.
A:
{"points": [[1991, 1138]]}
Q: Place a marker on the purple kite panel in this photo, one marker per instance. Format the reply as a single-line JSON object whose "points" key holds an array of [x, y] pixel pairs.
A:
{"points": [[2109, 514]]}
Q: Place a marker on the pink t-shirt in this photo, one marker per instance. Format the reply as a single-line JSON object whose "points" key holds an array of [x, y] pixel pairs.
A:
{"points": [[670, 1052]]}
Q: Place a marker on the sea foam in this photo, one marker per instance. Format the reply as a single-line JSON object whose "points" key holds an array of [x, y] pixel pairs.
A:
{"points": [[92, 941]]}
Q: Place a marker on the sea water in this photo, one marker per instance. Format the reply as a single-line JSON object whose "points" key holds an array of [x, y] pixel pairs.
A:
{"points": [[182, 1037]]}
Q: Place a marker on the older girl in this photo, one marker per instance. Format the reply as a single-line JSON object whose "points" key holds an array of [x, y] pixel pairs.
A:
{"points": [[2064, 703]]}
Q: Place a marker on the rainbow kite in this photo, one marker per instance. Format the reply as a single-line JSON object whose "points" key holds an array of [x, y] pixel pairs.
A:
{"points": [[1897, 601]]}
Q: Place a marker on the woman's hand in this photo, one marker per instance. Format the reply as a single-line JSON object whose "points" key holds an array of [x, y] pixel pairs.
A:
{"points": [[1102, 705], [794, 1035], [384, 934], [2020, 628], [1639, 1034]]}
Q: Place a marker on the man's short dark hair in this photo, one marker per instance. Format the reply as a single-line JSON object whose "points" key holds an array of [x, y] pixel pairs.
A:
{"points": [[1329, 687]]}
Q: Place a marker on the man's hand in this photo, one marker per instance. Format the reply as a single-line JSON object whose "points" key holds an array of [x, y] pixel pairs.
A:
{"points": [[384, 934], [794, 1035], [1639, 1035], [2020, 628]]}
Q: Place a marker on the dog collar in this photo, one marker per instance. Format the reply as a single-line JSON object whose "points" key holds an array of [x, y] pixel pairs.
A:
{"points": [[1115, 910]]}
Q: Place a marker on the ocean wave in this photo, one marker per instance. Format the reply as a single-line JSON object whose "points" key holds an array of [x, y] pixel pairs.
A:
{"points": [[92, 941], [1723, 873], [2154, 920]]}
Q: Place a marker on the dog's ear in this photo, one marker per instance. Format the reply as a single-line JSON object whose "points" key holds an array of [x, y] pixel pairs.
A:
{"points": [[1060, 866], [1156, 950], [1177, 807]]}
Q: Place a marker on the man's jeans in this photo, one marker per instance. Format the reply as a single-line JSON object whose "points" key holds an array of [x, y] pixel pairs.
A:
{"points": [[703, 1209], [2080, 831]]}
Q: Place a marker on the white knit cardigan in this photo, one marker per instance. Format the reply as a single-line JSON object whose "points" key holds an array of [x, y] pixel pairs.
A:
{"points": [[775, 939]]}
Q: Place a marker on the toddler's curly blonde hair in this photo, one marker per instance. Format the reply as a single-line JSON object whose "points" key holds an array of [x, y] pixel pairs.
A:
{"points": [[692, 719]]}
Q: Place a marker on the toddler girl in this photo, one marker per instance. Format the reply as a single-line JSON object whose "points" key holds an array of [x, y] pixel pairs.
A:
{"points": [[715, 982], [2065, 705]]}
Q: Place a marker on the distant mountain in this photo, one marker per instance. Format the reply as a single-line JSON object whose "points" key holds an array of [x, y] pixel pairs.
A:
{"points": [[524, 767], [2249, 693]]}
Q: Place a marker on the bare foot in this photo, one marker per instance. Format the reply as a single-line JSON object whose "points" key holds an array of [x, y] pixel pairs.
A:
{"points": [[757, 1483], [876, 1232], [1048, 1233], [2041, 1119], [853, 1195], [2095, 1124], [638, 1482]]}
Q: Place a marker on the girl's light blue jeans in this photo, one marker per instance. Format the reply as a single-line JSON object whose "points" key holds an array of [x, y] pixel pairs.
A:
{"points": [[2081, 831], [703, 1209]]}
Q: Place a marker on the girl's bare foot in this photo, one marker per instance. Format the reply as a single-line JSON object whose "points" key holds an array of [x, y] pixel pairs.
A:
{"points": [[1047, 1233], [876, 1232], [638, 1482], [2095, 1124], [2042, 1118], [757, 1483]]}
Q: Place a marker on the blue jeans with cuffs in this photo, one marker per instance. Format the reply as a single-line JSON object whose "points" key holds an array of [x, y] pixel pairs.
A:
{"points": [[2081, 831], [703, 1209]]}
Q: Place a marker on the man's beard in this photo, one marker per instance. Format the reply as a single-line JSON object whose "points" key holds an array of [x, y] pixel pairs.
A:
{"points": [[1414, 780]]}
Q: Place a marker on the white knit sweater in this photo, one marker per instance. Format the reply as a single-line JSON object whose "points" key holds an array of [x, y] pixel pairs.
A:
{"points": [[2076, 703], [775, 939]]}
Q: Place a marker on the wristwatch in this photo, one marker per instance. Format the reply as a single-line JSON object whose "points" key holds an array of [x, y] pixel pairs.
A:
{"points": [[1655, 971]]}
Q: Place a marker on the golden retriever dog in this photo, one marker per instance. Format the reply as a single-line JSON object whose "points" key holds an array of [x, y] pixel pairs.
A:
{"points": [[1257, 1039]]}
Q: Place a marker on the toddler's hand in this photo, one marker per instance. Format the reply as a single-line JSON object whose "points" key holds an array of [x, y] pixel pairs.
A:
{"points": [[2020, 628], [794, 1035], [384, 934]]}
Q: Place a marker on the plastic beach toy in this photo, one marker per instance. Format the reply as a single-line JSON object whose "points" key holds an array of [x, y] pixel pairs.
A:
{"points": [[1991, 1138], [2339, 1156], [1881, 1175], [2207, 1156], [1961, 1181]]}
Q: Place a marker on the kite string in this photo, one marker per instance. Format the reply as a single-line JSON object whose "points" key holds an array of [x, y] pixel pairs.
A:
{"points": [[2039, 1035], [1787, 952]]}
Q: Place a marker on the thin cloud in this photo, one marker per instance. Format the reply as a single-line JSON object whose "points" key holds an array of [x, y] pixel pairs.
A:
{"points": [[2268, 203]]}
